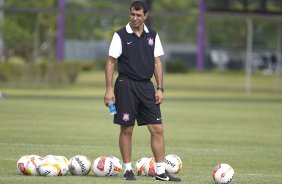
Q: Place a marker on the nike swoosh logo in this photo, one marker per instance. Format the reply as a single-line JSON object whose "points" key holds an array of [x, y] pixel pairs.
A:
{"points": [[164, 179], [159, 119], [129, 43]]}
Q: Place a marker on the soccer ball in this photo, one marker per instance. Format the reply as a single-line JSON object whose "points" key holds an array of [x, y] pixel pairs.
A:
{"points": [[103, 166], [150, 167], [140, 164], [173, 164], [79, 165], [32, 165], [21, 164], [49, 169], [223, 174], [63, 163], [117, 166], [50, 166]]}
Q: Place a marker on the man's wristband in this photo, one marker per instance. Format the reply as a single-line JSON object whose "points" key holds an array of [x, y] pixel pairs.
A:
{"points": [[160, 88]]}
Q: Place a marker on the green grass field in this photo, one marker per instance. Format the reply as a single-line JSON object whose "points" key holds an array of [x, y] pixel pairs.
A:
{"points": [[208, 119]]}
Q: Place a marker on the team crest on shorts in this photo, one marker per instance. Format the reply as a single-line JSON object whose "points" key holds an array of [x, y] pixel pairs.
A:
{"points": [[125, 117], [151, 41]]}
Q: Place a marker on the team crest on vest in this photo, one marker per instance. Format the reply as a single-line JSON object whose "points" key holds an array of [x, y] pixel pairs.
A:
{"points": [[125, 117], [151, 41]]}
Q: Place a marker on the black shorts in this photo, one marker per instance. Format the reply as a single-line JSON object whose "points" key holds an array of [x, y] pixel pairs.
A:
{"points": [[135, 100]]}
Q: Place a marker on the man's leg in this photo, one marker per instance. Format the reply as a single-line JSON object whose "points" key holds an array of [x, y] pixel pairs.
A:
{"points": [[125, 145], [125, 142], [158, 148], [157, 141]]}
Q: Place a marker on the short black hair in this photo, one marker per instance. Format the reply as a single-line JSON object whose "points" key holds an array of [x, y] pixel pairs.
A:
{"points": [[139, 5]]}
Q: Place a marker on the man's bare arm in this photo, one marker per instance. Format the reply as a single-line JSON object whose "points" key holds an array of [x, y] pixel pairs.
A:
{"points": [[158, 73], [109, 73]]}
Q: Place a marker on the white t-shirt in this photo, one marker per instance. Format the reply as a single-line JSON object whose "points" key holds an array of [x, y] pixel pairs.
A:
{"points": [[115, 49]]}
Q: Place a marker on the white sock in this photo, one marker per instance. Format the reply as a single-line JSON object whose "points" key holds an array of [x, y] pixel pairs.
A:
{"points": [[160, 168], [127, 166]]}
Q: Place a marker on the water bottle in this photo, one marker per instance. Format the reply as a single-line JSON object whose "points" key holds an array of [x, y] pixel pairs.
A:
{"points": [[112, 108]]}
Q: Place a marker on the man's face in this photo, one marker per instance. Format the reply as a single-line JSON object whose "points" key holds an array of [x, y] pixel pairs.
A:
{"points": [[137, 18]]}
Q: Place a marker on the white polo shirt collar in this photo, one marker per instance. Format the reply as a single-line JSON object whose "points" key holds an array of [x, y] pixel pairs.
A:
{"points": [[130, 31]]}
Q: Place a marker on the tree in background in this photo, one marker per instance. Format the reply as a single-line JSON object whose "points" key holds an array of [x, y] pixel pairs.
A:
{"points": [[29, 28], [19, 27], [178, 20]]}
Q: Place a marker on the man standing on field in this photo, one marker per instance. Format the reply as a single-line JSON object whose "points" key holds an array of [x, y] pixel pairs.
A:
{"points": [[137, 49]]}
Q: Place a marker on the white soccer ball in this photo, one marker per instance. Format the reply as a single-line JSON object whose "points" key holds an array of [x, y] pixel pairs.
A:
{"points": [[223, 174], [117, 166], [32, 165], [79, 165], [50, 169], [150, 167], [173, 164], [103, 166], [63, 163], [21, 164], [140, 166]]}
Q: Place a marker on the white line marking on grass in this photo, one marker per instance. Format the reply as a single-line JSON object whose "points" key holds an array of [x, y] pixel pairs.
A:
{"points": [[261, 174], [188, 149], [100, 146], [50, 145], [8, 159], [193, 149], [239, 174]]}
